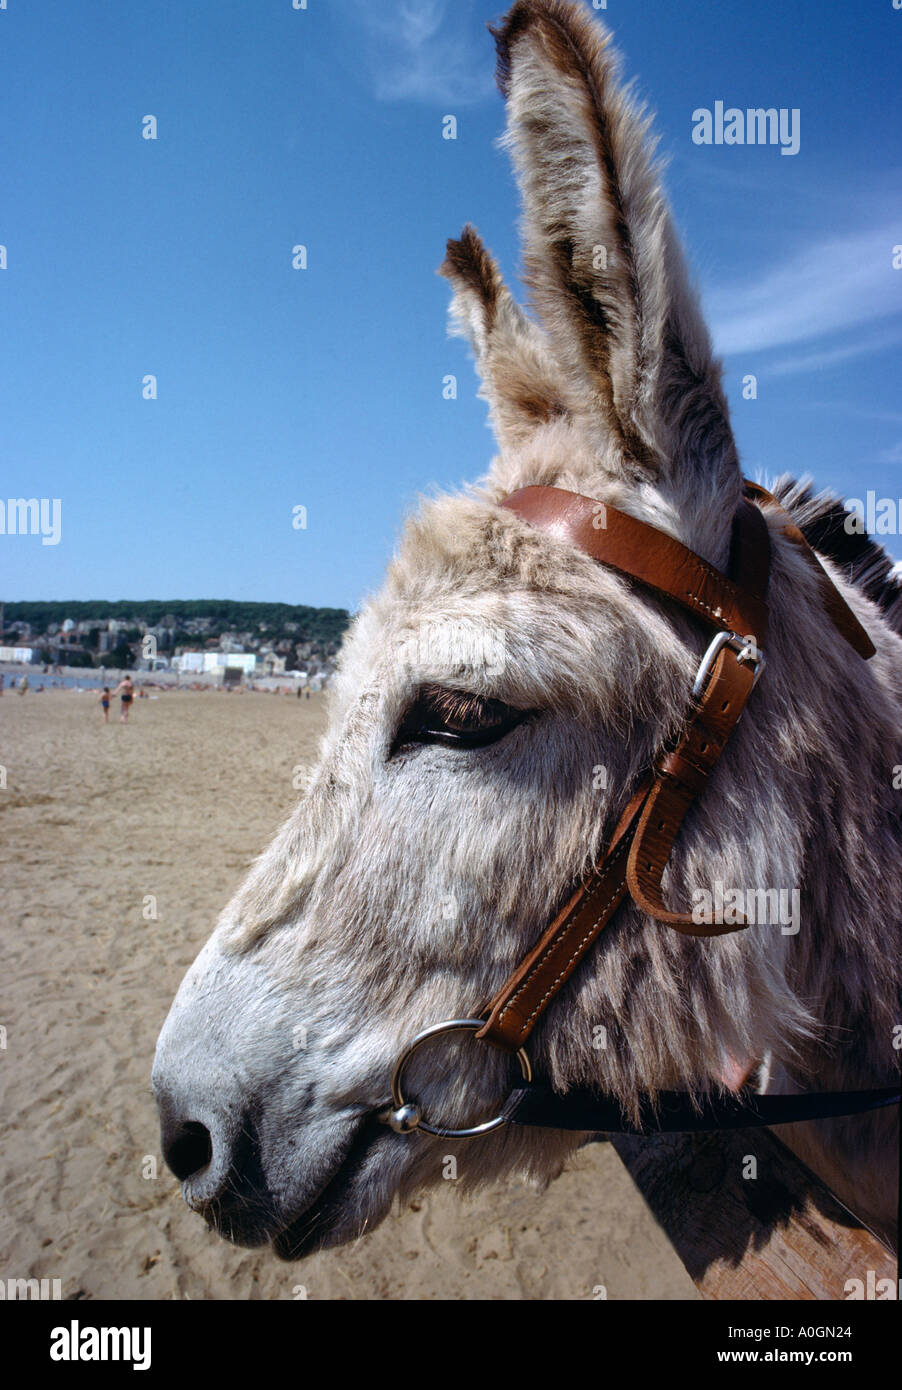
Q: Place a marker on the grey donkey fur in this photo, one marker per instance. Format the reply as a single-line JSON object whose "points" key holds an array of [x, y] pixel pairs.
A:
{"points": [[411, 879]]}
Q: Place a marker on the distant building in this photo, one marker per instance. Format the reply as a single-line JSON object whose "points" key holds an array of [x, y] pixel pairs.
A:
{"points": [[242, 661], [191, 661], [214, 662]]}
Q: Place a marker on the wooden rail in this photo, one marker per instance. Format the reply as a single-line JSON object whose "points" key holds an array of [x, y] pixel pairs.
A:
{"points": [[779, 1235]]}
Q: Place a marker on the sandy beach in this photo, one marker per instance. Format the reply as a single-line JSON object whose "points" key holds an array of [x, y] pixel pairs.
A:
{"points": [[102, 825]]}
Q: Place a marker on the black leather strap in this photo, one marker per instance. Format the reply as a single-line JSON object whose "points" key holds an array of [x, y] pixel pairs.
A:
{"points": [[675, 1113]]}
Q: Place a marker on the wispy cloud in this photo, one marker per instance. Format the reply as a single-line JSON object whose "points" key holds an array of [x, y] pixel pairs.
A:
{"points": [[886, 417], [836, 285], [872, 340], [425, 50]]}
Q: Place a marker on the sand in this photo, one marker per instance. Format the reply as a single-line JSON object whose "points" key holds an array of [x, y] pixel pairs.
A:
{"points": [[175, 805]]}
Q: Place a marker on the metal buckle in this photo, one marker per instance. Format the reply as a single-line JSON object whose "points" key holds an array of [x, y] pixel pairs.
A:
{"points": [[407, 1116], [747, 653]]}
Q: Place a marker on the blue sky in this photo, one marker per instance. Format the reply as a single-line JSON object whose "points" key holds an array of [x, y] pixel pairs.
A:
{"points": [[322, 388]]}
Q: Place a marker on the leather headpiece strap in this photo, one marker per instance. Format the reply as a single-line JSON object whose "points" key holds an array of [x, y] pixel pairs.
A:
{"points": [[735, 606]]}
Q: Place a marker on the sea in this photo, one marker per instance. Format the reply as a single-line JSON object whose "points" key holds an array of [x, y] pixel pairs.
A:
{"points": [[88, 680]]}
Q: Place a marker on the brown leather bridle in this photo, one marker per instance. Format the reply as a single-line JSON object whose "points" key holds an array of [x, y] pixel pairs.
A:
{"points": [[734, 606]]}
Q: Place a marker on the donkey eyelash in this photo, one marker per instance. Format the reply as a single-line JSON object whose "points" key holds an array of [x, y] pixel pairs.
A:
{"points": [[441, 715]]}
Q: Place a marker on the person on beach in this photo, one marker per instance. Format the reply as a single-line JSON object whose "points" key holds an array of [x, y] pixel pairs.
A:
{"points": [[105, 703], [128, 694], [23, 685]]}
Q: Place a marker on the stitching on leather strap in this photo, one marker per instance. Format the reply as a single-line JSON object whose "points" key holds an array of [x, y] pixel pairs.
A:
{"points": [[701, 603], [721, 581], [553, 986], [666, 566], [552, 945]]}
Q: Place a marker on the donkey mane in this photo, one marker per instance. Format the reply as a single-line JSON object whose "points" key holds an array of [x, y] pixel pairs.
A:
{"points": [[821, 517]]}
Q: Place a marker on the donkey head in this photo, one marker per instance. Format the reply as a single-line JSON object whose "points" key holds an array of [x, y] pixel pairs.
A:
{"points": [[495, 706]]}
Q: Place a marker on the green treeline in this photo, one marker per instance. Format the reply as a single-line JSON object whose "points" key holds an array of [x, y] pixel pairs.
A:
{"points": [[320, 625]]}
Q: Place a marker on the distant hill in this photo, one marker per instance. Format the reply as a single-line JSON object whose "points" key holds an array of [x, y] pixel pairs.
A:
{"points": [[320, 625]]}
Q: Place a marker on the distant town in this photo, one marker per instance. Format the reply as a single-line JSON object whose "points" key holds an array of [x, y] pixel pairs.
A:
{"points": [[222, 638]]}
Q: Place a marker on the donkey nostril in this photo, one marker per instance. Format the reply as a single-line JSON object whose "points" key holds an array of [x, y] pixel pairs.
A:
{"points": [[188, 1149]]}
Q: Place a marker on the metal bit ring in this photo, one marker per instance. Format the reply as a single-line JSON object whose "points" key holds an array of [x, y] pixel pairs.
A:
{"points": [[406, 1115]]}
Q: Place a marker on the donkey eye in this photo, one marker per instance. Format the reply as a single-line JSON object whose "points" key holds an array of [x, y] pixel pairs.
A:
{"points": [[440, 715]]}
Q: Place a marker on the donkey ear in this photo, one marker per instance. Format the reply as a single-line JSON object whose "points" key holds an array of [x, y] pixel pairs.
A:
{"points": [[520, 381], [602, 260]]}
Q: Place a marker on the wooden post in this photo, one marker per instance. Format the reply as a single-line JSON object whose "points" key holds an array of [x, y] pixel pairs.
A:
{"points": [[777, 1235]]}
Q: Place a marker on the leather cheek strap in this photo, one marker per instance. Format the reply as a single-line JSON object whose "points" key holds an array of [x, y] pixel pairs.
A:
{"points": [[682, 776], [634, 862], [642, 842], [524, 996]]}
